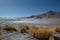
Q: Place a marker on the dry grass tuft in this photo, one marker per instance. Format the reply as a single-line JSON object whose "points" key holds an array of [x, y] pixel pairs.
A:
{"points": [[23, 28], [58, 29], [32, 30], [52, 29], [41, 32], [10, 28]]}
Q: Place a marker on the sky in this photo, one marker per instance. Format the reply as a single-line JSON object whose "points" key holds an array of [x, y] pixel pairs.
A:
{"points": [[24, 8]]}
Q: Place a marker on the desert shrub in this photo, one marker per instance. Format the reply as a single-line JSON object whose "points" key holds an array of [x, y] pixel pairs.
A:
{"points": [[33, 27], [52, 28], [10, 28], [32, 30], [58, 29], [40, 33], [23, 28]]}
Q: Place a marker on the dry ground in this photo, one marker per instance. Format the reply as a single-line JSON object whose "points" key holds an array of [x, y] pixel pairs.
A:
{"points": [[13, 35]]}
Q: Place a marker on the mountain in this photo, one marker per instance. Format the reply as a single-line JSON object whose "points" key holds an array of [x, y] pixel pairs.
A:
{"points": [[49, 14]]}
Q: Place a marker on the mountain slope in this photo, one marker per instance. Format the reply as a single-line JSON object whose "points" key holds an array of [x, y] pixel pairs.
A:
{"points": [[49, 14]]}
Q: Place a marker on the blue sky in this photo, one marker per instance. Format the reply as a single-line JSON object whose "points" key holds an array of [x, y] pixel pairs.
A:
{"points": [[23, 8]]}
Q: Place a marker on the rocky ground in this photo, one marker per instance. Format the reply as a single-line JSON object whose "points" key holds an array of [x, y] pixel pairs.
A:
{"points": [[15, 36]]}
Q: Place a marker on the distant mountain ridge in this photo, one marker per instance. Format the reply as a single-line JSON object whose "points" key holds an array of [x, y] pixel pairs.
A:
{"points": [[49, 14]]}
